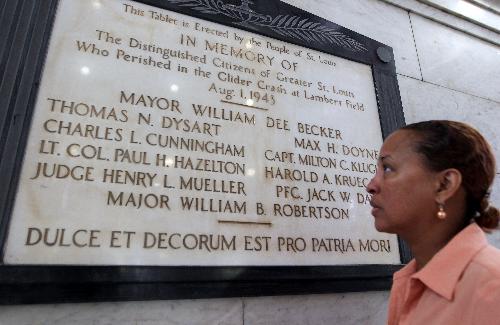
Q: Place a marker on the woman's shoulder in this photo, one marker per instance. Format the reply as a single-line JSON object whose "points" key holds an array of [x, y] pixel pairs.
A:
{"points": [[486, 264], [485, 298]]}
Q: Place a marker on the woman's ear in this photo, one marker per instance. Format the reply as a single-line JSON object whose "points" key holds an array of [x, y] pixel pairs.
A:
{"points": [[450, 181]]}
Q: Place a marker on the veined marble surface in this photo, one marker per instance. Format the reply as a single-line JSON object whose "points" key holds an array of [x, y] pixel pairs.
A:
{"points": [[173, 312], [378, 20], [456, 60], [447, 19], [364, 308]]}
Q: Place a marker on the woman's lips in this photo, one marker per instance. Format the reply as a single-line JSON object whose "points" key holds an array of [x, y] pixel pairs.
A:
{"points": [[375, 207]]}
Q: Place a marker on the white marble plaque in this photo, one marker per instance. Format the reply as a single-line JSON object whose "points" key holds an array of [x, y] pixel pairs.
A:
{"points": [[162, 139]]}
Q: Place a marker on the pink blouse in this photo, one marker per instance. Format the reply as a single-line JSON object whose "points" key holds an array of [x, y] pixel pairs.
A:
{"points": [[460, 285]]}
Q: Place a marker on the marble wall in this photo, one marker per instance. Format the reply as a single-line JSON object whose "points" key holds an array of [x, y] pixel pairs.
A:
{"points": [[443, 72]]}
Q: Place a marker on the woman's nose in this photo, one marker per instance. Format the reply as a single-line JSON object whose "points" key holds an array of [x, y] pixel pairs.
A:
{"points": [[372, 186]]}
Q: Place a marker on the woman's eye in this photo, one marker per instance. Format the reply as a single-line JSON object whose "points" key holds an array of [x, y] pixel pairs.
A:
{"points": [[387, 169]]}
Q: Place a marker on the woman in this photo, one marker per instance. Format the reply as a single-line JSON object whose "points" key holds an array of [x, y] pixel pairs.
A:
{"points": [[432, 188]]}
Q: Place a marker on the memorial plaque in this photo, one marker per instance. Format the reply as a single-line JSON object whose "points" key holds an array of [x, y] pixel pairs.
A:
{"points": [[162, 139]]}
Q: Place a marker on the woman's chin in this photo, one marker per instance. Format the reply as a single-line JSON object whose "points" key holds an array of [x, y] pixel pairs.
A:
{"points": [[381, 226]]}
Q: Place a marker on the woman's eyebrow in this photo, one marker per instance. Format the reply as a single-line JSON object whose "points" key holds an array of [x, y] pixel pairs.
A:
{"points": [[382, 158]]}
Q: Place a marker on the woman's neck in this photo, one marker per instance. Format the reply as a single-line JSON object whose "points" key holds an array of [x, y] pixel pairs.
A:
{"points": [[425, 246]]}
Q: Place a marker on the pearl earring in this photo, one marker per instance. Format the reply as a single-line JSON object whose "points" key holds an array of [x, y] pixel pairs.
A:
{"points": [[441, 214]]}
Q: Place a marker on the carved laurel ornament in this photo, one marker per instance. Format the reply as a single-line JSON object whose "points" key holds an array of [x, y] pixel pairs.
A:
{"points": [[286, 25]]}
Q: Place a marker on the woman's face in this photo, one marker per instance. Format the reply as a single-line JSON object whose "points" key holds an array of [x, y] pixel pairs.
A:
{"points": [[403, 189]]}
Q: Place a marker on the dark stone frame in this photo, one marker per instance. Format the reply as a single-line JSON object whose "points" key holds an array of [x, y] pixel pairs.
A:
{"points": [[25, 28]]}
